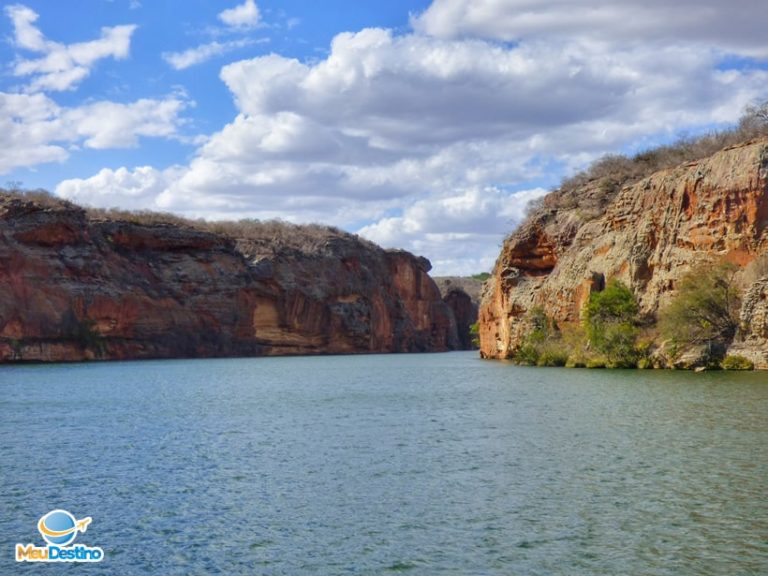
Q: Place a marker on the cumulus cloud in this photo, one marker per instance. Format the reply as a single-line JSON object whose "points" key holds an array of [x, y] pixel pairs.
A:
{"points": [[35, 130], [61, 66], [462, 230], [204, 52], [414, 92], [113, 125], [29, 131], [167, 190], [245, 15], [134, 189], [416, 139]]}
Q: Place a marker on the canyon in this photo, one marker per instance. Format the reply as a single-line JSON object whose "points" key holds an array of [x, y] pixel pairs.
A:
{"points": [[76, 285]]}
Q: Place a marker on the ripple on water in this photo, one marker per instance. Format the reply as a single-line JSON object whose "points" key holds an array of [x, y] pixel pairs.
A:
{"points": [[422, 464]]}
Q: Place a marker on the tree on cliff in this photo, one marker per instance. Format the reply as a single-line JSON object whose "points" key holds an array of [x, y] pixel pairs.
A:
{"points": [[754, 122], [706, 307], [610, 318]]}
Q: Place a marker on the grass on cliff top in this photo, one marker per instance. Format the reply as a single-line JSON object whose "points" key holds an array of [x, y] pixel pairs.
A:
{"points": [[610, 173], [271, 235]]}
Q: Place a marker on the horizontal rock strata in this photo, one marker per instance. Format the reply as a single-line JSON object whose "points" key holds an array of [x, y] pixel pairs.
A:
{"points": [[74, 287]]}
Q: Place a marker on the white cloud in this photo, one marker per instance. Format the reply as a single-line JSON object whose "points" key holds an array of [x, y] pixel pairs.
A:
{"points": [[61, 66], [245, 15], [135, 189], [29, 129], [736, 28], [417, 93], [462, 231], [204, 52], [27, 36], [112, 125], [35, 130], [414, 139]]}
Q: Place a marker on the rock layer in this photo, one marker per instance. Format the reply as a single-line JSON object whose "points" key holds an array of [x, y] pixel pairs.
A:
{"points": [[78, 288], [752, 339], [648, 235]]}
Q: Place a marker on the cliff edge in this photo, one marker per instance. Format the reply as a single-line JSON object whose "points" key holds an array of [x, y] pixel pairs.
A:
{"points": [[78, 286], [648, 235]]}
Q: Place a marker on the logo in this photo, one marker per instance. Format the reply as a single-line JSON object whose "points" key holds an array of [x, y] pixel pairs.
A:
{"points": [[59, 529]]}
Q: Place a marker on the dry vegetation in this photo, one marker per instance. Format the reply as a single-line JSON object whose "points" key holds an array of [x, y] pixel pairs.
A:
{"points": [[13, 190], [277, 235], [754, 271], [606, 176], [262, 236]]}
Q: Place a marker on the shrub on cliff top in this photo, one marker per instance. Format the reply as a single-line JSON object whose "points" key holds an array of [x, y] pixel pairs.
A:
{"points": [[38, 196], [612, 171]]}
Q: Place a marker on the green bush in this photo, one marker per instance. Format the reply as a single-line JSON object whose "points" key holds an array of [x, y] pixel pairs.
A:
{"points": [[705, 309], [474, 334], [610, 319], [527, 355], [542, 346], [736, 362], [706, 306], [552, 357]]}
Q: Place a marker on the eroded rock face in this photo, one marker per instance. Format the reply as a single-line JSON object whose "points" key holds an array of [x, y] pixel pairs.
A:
{"points": [[462, 295], [752, 339], [649, 235], [72, 288], [464, 312]]}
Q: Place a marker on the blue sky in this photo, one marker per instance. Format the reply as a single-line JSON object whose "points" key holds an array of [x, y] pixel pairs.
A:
{"points": [[424, 125]]}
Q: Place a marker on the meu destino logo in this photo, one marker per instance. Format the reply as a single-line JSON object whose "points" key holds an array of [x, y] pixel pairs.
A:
{"points": [[59, 529]]}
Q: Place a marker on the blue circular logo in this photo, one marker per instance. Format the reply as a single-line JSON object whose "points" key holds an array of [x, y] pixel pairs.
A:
{"points": [[58, 527]]}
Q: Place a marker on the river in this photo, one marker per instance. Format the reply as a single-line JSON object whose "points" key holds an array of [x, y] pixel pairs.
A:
{"points": [[420, 464]]}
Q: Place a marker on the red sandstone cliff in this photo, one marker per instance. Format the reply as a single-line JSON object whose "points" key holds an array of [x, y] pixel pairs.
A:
{"points": [[74, 287], [648, 235]]}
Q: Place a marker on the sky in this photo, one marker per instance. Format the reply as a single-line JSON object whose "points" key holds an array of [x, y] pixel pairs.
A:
{"points": [[419, 125]]}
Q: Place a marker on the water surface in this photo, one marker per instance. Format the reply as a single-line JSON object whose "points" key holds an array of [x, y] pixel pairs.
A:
{"points": [[425, 464]]}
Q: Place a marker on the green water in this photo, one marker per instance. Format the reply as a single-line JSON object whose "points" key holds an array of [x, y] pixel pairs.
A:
{"points": [[423, 464]]}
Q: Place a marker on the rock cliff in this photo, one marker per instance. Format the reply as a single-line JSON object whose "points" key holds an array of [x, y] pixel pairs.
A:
{"points": [[752, 340], [462, 295], [78, 287], [648, 235]]}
